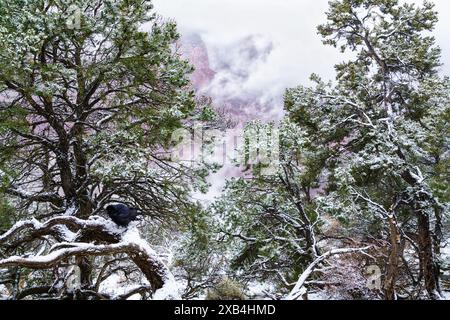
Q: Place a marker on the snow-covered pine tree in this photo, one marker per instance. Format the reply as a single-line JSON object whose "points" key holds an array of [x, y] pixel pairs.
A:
{"points": [[385, 125], [267, 224], [88, 103]]}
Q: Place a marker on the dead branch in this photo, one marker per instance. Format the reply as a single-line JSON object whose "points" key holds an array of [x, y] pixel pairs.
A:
{"points": [[296, 293]]}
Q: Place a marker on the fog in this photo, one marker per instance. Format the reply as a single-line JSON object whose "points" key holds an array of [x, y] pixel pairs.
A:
{"points": [[284, 31], [289, 25]]}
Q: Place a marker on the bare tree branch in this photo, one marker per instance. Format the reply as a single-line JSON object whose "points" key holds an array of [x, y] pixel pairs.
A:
{"points": [[296, 293]]}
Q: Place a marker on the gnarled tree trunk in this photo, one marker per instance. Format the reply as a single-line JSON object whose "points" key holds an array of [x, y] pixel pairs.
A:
{"points": [[430, 266], [394, 258]]}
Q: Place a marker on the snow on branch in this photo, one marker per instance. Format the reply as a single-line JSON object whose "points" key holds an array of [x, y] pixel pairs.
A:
{"points": [[299, 290], [75, 249], [51, 197], [96, 227], [127, 242]]}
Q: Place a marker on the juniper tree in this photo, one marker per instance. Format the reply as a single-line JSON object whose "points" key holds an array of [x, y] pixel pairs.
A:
{"points": [[385, 127], [90, 94]]}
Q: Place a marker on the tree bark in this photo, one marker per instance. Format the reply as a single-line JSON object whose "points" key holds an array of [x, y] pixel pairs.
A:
{"points": [[393, 262], [430, 267]]}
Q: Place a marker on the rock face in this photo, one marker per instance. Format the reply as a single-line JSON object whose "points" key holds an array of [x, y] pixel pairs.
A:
{"points": [[226, 74], [194, 49]]}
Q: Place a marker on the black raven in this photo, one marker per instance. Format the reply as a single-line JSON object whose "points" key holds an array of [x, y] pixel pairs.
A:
{"points": [[121, 214]]}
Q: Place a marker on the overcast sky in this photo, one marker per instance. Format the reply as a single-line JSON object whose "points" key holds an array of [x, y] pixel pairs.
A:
{"points": [[289, 24]]}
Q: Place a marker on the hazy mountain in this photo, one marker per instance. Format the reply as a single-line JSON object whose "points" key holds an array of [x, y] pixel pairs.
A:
{"points": [[226, 75]]}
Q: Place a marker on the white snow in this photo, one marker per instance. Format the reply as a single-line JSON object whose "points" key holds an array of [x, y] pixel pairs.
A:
{"points": [[171, 289]]}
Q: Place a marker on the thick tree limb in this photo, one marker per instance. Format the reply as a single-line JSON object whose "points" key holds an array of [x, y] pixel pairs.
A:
{"points": [[95, 229], [129, 243]]}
